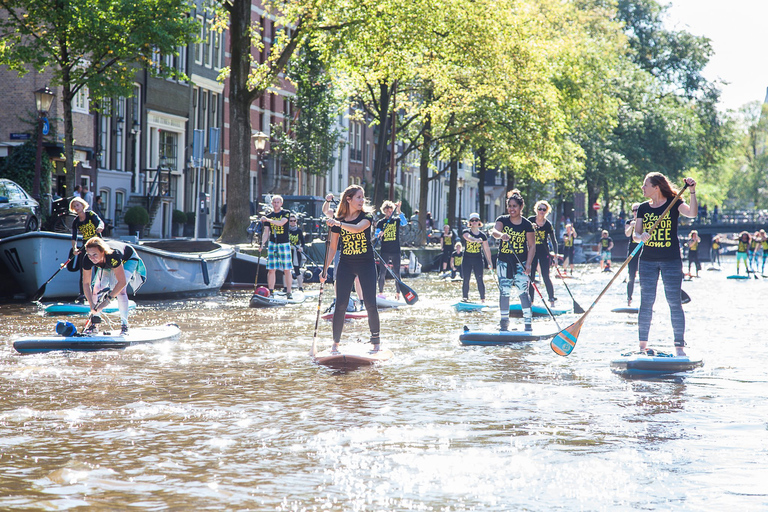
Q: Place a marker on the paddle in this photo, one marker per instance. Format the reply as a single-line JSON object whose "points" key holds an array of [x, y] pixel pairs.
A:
{"points": [[565, 341], [258, 232], [313, 350], [576, 308], [537, 291], [410, 296], [684, 297], [39, 293]]}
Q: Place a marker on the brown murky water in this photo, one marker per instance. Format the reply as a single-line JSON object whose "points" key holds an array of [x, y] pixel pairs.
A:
{"points": [[235, 416]]}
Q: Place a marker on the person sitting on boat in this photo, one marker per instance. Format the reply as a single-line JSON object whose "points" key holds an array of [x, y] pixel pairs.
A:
{"points": [[388, 232], [629, 230], [296, 239], [568, 249], [87, 224], [693, 251], [116, 265], [514, 265], [456, 258], [605, 244], [661, 254], [279, 251], [352, 225], [741, 251]]}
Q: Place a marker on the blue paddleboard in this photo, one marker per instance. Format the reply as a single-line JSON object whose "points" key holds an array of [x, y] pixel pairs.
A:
{"points": [[70, 308], [654, 363]]}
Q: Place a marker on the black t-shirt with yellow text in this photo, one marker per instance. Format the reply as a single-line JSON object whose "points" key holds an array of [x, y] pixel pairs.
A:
{"points": [[278, 234], [88, 227], [472, 250], [458, 257], [542, 233], [296, 237], [355, 246], [743, 245], [120, 253], [518, 240], [448, 240], [390, 238], [663, 244]]}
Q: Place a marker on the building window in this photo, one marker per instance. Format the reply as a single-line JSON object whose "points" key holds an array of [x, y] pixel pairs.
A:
{"points": [[168, 147], [119, 202], [80, 102], [199, 47]]}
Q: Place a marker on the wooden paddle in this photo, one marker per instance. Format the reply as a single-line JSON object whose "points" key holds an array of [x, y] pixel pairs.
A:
{"points": [[576, 308], [39, 293], [410, 296], [313, 350], [562, 344]]}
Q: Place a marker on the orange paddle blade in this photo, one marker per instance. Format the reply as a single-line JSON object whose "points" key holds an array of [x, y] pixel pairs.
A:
{"points": [[564, 341]]}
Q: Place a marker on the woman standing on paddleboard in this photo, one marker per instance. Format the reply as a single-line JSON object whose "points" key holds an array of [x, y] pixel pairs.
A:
{"points": [[661, 254], [87, 224], [741, 252], [693, 252], [352, 225], [541, 257], [388, 232], [117, 265], [568, 249], [476, 244], [629, 230], [515, 261]]}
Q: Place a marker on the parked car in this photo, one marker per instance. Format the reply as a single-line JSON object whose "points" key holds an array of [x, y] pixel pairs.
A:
{"points": [[19, 213]]}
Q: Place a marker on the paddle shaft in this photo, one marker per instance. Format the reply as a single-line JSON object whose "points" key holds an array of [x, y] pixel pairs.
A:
{"points": [[537, 289], [41, 291], [576, 307], [313, 350], [409, 294]]}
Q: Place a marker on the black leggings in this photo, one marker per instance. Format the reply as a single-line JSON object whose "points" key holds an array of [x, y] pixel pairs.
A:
{"points": [[344, 281], [386, 257], [469, 266], [545, 264], [631, 275]]}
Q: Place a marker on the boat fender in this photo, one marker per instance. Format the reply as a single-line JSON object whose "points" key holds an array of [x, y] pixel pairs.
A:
{"points": [[206, 277], [66, 329]]}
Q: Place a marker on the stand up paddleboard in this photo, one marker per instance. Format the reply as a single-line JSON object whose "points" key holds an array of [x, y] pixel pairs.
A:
{"points": [[653, 363], [352, 356], [382, 302], [472, 306], [737, 276], [70, 308], [492, 338], [98, 341], [347, 315], [514, 309], [275, 300], [631, 311]]}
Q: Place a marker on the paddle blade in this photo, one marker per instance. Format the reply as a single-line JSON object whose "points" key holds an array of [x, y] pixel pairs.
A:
{"points": [[684, 297], [409, 295], [38, 294], [577, 308], [564, 341]]}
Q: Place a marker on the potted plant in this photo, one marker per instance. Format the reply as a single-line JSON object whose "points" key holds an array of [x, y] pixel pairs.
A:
{"points": [[189, 227], [137, 218], [179, 219]]}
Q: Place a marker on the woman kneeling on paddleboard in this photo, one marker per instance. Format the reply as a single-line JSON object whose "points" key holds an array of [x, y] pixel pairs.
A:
{"points": [[661, 254], [515, 262], [352, 224], [118, 265]]}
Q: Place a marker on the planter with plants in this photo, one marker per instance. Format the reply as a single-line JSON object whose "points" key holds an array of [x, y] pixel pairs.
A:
{"points": [[179, 219], [137, 218]]}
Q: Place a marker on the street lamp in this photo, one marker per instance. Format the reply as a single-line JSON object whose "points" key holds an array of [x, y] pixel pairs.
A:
{"points": [[43, 99], [460, 184], [260, 140]]}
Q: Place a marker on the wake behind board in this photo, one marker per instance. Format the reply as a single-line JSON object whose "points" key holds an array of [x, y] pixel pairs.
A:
{"points": [[98, 341], [737, 276], [653, 364], [71, 308], [631, 311], [352, 356], [276, 300], [494, 338]]}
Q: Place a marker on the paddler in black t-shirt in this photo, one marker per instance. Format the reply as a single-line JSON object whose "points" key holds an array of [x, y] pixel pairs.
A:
{"points": [[448, 241], [568, 248], [279, 251], [605, 244], [661, 254], [741, 251], [456, 259], [542, 258], [629, 230], [352, 225], [88, 225], [388, 232], [515, 260], [296, 239], [116, 266], [475, 246]]}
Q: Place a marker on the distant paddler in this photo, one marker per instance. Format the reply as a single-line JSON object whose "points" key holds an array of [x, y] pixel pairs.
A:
{"points": [[661, 254], [116, 265], [279, 249], [629, 230], [87, 224]]}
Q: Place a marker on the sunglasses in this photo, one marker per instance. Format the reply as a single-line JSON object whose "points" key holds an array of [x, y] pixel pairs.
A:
{"points": [[474, 220], [542, 209], [634, 210], [291, 220]]}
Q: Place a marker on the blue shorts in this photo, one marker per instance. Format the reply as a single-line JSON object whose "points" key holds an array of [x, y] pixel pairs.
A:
{"points": [[605, 255], [279, 257]]}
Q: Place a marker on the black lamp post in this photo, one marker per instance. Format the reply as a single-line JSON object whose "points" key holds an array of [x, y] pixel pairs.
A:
{"points": [[43, 99], [260, 140]]}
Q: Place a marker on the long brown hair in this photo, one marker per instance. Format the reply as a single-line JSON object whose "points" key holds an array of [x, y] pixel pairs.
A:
{"points": [[665, 187], [343, 209], [98, 243]]}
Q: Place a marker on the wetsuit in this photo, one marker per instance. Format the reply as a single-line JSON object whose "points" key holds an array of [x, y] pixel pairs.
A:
{"points": [[510, 266], [661, 255], [356, 260], [543, 257], [473, 263], [87, 229], [389, 228]]}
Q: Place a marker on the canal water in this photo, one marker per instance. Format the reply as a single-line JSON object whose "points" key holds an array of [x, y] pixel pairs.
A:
{"points": [[234, 416]]}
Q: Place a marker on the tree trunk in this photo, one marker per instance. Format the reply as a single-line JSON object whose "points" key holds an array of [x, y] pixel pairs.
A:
{"points": [[238, 184], [380, 166], [69, 132], [424, 176], [481, 169], [452, 193]]}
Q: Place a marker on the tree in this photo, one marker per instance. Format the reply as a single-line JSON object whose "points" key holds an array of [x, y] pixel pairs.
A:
{"points": [[91, 45]]}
